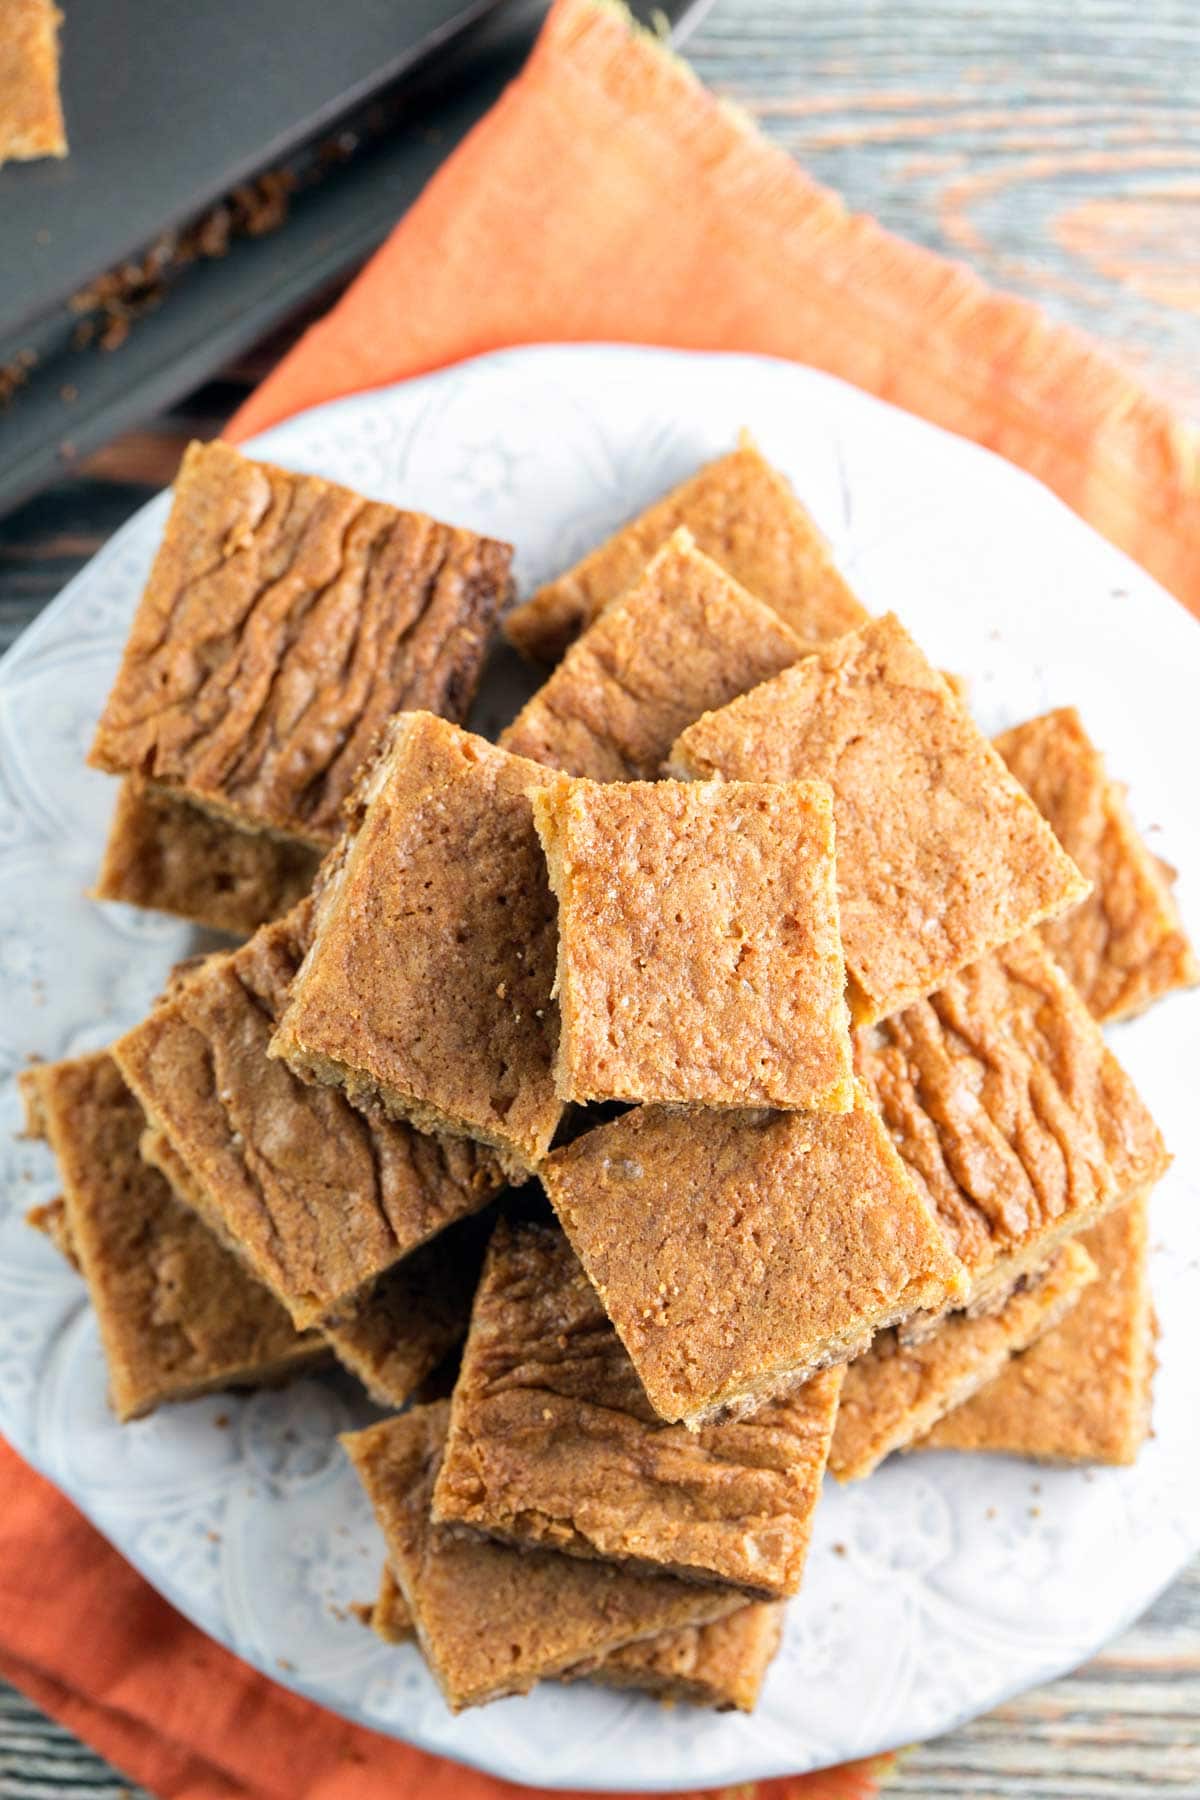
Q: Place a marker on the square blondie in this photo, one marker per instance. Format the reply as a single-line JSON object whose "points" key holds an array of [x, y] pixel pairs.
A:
{"points": [[1124, 946], [699, 957], [318, 1196], [31, 118], [492, 1620], [895, 1392], [178, 1314], [683, 640], [284, 620], [427, 986], [1082, 1393], [742, 513], [941, 854], [1011, 1113], [164, 853], [554, 1445], [738, 1252]]}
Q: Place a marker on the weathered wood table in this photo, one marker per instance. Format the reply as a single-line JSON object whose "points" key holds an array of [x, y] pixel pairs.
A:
{"points": [[1054, 144]]}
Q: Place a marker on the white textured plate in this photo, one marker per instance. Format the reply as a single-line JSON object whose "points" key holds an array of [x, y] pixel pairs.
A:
{"points": [[936, 1588]]}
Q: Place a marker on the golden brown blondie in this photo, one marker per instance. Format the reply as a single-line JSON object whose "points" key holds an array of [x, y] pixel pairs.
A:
{"points": [[1124, 946], [742, 513], [318, 1196], [553, 1443], [941, 854], [699, 957], [897, 1391], [31, 119], [178, 1315], [684, 639], [1083, 1392], [737, 1252], [1011, 1112], [164, 853], [492, 1620], [721, 1665], [427, 987], [285, 619]]}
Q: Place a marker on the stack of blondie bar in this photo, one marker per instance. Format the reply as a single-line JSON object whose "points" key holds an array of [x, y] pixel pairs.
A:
{"points": [[716, 1059]]}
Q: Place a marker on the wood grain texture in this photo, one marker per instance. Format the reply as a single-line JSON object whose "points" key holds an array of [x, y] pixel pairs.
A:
{"points": [[1056, 147]]}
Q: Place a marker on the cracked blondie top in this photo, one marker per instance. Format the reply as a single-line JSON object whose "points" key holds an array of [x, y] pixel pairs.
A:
{"points": [[178, 1314], [683, 640], [941, 854], [285, 619], [1124, 946], [1010, 1111], [736, 1252], [31, 119], [897, 1391], [428, 984], [722, 1665], [699, 957], [492, 1620], [742, 513], [553, 1443], [164, 853], [1082, 1393], [319, 1197]]}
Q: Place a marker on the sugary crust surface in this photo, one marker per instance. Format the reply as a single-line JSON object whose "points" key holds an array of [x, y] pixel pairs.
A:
{"points": [[1124, 946], [699, 957], [1010, 1110], [554, 1444], [941, 853], [319, 1197], [736, 1251], [492, 1620], [178, 1315], [897, 1391], [428, 983], [31, 120], [684, 639], [743, 514], [394, 1335], [721, 1665], [285, 619], [166, 854], [1083, 1392]]}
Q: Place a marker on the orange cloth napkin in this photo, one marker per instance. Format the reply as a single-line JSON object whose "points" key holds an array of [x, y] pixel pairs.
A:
{"points": [[606, 196]]}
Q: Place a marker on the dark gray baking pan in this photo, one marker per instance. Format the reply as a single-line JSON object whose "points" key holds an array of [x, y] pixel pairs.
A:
{"points": [[173, 104]]}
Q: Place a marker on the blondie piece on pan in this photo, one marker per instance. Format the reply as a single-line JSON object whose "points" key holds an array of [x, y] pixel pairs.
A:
{"points": [[699, 957], [894, 1393], [684, 639], [31, 119], [284, 620], [319, 1197], [1011, 1112], [941, 854], [1082, 1393], [1124, 947], [177, 1312], [492, 1620], [427, 987], [554, 1444], [164, 853], [721, 1665], [742, 513], [737, 1252]]}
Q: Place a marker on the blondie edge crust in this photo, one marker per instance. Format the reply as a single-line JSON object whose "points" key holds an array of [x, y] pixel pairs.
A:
{"points": [[31, 116]]}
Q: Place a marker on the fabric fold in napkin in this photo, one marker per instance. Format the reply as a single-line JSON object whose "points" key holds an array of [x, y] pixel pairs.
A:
{"points": [[606, 196]]}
